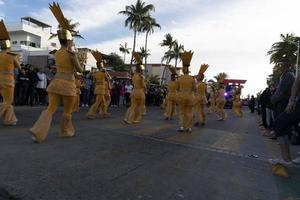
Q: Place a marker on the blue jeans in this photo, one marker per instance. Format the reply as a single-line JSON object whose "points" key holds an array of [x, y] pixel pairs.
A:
{"points": [[285, 121], [86, 96]]}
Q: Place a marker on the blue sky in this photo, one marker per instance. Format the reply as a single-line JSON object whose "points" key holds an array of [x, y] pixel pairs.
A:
{"points": [[233, 36]]}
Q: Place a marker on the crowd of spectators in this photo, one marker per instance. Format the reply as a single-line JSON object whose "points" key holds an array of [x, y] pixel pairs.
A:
{"points": [[31, 84]]}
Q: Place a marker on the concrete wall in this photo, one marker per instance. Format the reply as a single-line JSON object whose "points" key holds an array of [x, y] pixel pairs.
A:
{"points": [[38, 61]]}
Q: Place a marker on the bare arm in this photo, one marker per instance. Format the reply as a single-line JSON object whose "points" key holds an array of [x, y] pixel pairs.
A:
{"points": [[76, 63], [16, 64]]}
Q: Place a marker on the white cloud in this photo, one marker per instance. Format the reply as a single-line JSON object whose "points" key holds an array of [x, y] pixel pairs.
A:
{"points": [[232, 38], [2, 2]]}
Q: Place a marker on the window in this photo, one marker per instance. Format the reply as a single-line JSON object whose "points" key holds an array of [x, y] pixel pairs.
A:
{"points": [[53, 44], [15, 42], [23, 42], [32, 44]]}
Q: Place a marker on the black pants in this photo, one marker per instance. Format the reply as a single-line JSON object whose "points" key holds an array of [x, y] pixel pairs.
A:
{"points": [[31, 95], [41, 95], [22, 99], [127, 98], [285, 121], [264, 116]]}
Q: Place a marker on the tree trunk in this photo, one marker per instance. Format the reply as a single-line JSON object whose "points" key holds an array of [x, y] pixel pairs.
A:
{"points": [[146, 43], [164, 72], [133, 50], [176, 61]]}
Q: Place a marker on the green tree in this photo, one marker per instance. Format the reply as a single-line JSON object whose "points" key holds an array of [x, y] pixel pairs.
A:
{"points": [[135, 15], [148, 26], [285, 49], [153, 79], [168, 41], [144, 53], [125, 50], [116, 62], [176, 51], [73, 26]]}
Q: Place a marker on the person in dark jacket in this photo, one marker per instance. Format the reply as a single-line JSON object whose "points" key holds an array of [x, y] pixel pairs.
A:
{"points": [[33, 79], [23, 81], [252, 104], [283, 123]]}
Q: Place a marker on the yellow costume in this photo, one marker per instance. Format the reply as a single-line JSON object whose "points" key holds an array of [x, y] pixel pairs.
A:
{"points": [[170, 101], [137, 108], [220, 100], [107, 97], [201, 99], [100, 89], [8, 62], [78, 93], [62, 88], [237, 104], [212, 102], [186, 86]]}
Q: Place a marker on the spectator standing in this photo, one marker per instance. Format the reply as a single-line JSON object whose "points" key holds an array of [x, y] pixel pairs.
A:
{"points": [[41, 87], [128, 91], [252, 104], [23, 81], [33, 79], [122, 95], [86, 91]]}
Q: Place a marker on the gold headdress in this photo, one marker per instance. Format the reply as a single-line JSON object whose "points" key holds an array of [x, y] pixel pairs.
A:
{"points": [[186, 58], [98, 57], [221, 78], [202, 69], [4, 37], [138, 59], [64, 33]]}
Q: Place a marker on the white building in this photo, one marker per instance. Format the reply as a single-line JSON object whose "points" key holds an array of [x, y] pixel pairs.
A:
{"points": [[30, 39]]}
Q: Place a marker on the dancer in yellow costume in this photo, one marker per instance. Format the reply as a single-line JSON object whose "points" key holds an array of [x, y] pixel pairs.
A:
{"points": [[186, 87], [220, 100], [107, 96], [212, 101], [79, 85], [8, 62], [237, 103], [62, 87], [136, 109], [201, 99], [170, 101], [100, 88]]}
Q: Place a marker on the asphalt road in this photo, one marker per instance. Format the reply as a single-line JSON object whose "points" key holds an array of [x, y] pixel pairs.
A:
{"points": [[108, 160]]}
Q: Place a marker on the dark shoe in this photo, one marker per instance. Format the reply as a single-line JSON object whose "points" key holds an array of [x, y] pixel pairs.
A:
{"points": [[196, 124]]}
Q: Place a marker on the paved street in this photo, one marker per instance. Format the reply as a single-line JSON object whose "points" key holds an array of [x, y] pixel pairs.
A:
{"points": [[108, 160]]}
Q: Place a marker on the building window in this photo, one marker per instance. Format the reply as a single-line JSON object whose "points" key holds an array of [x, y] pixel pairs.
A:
{"points": [[32, 44], [15, 42], [53, 44], [23, 42]]}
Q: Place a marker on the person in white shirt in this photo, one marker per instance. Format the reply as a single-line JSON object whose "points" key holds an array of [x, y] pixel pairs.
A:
{"points": [[41, 87], [128, 91]]}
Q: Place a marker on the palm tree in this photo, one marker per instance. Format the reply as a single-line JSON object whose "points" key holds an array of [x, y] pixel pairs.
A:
{"points": [[148, 26], [144, 53], [73, 27], [285, 48], [135, 15], [177, 50], [168, 56], [222, 74], [124, 49]]}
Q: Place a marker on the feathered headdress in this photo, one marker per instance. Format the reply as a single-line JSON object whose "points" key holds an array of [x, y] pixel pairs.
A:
{"points": [[65, 31], [221, 78], [4, 36], [98, 57], [203, 69], [138, 60], [186, 58]]}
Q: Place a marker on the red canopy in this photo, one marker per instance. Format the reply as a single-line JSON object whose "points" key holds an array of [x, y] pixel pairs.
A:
{"points": [[235, 81]]}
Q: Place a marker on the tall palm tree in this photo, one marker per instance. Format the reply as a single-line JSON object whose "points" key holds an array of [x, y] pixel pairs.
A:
{"points": [[135, 14], [177, 50], [168, 41], [284, 48], [125, 50], [144, 53], [219, 75], [73, 26], [148, 26]]}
